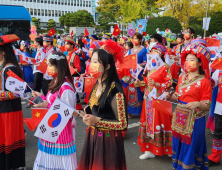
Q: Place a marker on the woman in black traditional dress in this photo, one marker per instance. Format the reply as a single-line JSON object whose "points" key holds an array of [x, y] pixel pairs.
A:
{"points": [[104, 148], [12, 136]]}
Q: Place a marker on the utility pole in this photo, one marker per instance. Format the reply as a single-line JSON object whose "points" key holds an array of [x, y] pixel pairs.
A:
{"points": [[206, 19]]}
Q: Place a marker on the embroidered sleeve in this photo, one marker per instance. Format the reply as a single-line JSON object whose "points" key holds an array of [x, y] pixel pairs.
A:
{"points": [[118, 105], [7, 95], [167, 80]]}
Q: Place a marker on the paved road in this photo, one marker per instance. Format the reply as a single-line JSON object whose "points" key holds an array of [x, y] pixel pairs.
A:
{"points": [[132, 150]]}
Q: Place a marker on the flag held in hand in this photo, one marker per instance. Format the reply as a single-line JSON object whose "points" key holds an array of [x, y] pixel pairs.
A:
{"points": [[43, 66], [54, 121], [154, 61], [129, 62], [37, 116], [217, 64], [163, 106], [116, 30], [89, 84], [86, 32], [51, 32], [78, 83]]}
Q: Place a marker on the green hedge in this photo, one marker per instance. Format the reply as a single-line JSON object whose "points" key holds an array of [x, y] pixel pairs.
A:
{"points": [[163, 23]]}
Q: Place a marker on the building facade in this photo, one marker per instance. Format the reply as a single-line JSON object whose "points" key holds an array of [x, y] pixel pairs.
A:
{"points": [[52, 9]]}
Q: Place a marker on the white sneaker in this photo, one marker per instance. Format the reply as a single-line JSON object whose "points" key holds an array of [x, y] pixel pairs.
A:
{"points": [[169, 156], [147, 155]]}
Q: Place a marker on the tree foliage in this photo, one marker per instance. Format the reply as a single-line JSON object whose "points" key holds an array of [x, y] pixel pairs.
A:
{"points": [[127, 10], [183, 10], [105, 20], [51, 24], [215, 23], [36, 22], [163, 23], [81, 18]]}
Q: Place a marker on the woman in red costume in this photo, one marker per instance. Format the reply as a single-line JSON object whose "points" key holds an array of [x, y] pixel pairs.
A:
{"points": [[155, 134]]}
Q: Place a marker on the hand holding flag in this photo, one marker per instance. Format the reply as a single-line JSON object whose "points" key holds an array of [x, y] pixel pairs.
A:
{"points": [[163, 106]]}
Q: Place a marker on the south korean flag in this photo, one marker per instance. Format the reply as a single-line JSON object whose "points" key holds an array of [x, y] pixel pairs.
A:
{"points": [[135, 72], [78, 83], [15, 86], [154, 62], [54, 121]]}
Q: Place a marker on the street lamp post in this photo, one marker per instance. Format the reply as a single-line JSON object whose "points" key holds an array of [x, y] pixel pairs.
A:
{"points": [[206, 19]]}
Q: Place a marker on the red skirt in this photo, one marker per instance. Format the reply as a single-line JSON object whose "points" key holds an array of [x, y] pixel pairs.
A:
{"points": [[161, 123], [103, 149], [12, 140]]}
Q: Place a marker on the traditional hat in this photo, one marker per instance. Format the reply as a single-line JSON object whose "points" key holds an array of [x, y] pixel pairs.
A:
{"points": [[4, 39], [197, 48], [48, 39], [96, 44], [24, 43], [115, 49], [71, 40], [106, 36], [94, 37], [159, 47]]}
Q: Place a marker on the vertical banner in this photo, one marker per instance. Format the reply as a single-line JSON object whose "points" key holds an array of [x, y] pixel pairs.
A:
{"points": [[93, 8], [206, 23]]}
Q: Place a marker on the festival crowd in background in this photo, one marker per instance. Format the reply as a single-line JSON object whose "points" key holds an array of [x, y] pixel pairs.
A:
{"points": [[140, 75]]}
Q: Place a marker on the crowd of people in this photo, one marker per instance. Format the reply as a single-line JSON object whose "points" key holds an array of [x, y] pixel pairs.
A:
{"points": [[116, 96]]}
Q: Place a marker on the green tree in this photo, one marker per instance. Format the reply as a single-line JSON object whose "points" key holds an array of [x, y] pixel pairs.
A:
{"points": [[127, 10], [105, 20], [36, 22], [163, 23], [215, 23], [196, 23], [51, 24], [81, 18]]}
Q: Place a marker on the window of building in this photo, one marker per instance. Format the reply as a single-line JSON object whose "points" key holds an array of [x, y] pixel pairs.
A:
{"points": [[71, 2], [38, 12], [62, 12], [68, 2], [62, 2], [59, 13], [41, 1], [42, 12], [53, 13], [46, 13], [83, 3], [45, 1], [80, 2], [89, 4], [52, 1], [35, 12], [65, 12], [30, 0], [34, 0], [27, 0], [37, 1], [58, 1], [65, 2], [55, 1], [77, 2], [74, 2], [56, 14], [49, 12], [31, 11], [86, 3], [48, 1], [27, 9]]}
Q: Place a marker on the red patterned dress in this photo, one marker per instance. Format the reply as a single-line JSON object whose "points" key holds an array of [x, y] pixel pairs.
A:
{"points": [[155, 134]]}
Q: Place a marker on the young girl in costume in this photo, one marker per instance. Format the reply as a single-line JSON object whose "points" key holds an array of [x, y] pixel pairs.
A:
{"points": [[135, 94], [12, 137], [103, 147], [193, 94], [27, 68], [155, 134], [62, 153]]}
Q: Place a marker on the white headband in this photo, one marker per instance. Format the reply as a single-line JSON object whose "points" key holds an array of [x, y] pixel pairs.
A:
{"points": [[55, 56]]}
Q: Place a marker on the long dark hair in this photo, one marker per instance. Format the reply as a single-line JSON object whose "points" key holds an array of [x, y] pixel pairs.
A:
{"points": [[107, 59], [63, 72], [10, 57], [201, 71], [80, 43]]}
